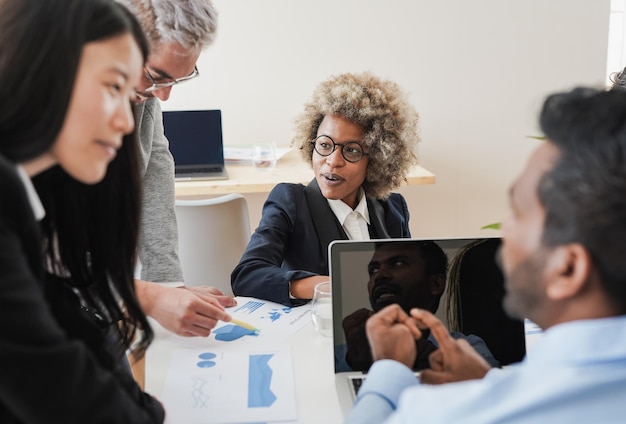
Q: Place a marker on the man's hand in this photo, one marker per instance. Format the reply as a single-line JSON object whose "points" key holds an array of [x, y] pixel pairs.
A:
{"points": [[186, 311], [392, 334], [211, 293], [455, 360]]}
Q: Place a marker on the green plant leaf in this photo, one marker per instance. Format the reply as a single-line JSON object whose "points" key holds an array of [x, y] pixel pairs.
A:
{"points": [[494, 226]]}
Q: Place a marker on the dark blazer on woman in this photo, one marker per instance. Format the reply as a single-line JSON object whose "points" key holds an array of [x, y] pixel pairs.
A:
{"points": [[292, 239], [45, 375]]}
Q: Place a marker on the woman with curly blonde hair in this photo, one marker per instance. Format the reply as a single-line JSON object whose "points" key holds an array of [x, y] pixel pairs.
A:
{"points": [[359, 134]]}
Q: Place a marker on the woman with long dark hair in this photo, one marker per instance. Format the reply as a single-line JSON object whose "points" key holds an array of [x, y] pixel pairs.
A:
{"points": [[69, 213]]}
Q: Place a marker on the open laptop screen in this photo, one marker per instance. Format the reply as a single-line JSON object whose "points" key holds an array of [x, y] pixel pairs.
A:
{"points": [[469, 262], [195, 140]]}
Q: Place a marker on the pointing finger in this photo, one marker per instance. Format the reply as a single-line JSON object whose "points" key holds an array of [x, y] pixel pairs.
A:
{"points": [[437, 329]]}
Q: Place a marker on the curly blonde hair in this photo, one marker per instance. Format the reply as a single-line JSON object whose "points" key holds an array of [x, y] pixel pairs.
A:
{"points": [[382, 110]]}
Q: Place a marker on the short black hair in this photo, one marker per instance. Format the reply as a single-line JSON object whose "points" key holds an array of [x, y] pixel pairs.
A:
{"points": [[584, 194], [435, 259]]}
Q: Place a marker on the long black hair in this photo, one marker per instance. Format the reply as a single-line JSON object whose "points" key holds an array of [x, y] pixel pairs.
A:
{"points": [[90, 231]]}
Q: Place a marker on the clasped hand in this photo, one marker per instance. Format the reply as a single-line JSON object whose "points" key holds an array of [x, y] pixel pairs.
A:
{"points": [[392, 334]]}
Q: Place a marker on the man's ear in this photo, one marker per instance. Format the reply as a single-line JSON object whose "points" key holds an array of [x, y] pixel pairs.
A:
{"points": [[567, 270], [437, 284]]}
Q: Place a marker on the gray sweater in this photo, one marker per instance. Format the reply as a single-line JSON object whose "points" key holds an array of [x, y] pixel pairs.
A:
{"points": [[158, 244]]}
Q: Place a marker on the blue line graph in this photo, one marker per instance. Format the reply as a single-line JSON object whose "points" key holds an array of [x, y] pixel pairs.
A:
{"points": [[199, 397], [249, 307]]}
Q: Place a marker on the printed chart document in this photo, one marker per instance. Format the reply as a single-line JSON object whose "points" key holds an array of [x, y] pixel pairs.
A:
{"points": [[230, 385], [275, 322], [237, 374]]}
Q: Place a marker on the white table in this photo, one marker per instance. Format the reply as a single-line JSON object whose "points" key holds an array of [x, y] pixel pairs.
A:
{"points": [[312, 356]]}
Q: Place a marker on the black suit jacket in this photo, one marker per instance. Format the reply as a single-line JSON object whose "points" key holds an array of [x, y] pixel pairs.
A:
{"points": [[44, 375], [292, 239]]}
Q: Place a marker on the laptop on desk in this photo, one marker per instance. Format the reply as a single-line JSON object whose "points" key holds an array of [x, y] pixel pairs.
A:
{"points": [[195, 139], [348, 262]]}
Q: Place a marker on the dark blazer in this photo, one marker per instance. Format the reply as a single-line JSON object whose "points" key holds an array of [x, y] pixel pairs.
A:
{"points": [[292, 239], [44, 375]]}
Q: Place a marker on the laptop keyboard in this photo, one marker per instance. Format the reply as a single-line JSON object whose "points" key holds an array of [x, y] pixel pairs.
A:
{"points": [[203, 169], [357, 382]]}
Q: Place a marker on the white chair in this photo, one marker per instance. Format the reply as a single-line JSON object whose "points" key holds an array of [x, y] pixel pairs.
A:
{"points": [[212, 235]]}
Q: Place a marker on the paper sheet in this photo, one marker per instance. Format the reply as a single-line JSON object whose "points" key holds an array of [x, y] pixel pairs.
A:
{"points": [[236, 375], [242, 155], [276, 322], [230, 385]]}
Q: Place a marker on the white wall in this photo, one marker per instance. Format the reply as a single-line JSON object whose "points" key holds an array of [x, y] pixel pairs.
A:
{"points": [[476, 70]]}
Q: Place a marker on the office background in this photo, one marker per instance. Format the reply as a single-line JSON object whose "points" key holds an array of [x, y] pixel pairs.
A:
{"points": [[476, 70]]}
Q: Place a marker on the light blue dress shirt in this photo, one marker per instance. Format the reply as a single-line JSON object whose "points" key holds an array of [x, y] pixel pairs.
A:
{"points": [[576, 373]]}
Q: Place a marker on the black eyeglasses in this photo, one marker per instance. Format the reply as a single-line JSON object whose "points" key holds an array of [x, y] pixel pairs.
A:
{"points": [[352, 151]]}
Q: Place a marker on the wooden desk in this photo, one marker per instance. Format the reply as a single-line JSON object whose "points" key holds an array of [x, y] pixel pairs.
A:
{"points": [[290, 169]]}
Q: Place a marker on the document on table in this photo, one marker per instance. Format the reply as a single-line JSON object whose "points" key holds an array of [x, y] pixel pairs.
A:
{"points": [[242, 155], [229, 384], [275, 322], [236, 375]]}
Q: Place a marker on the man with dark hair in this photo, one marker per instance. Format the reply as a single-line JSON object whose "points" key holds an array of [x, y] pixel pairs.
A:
{"points": [[411, 274], [563, 258]]}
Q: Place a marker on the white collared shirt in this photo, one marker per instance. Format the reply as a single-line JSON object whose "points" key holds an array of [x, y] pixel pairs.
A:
{"points": [[354, 222], [33, 197]]}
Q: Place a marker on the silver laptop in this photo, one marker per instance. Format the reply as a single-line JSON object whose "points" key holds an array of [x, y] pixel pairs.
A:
{"points": [[195, 138], [349, 261]]}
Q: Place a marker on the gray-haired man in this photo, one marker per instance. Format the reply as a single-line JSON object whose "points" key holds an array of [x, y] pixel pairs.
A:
{"points": [[178, 31]]}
